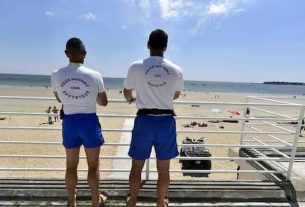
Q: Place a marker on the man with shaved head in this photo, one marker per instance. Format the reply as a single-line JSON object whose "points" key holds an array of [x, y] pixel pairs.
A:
{"points": [[79, 88]]}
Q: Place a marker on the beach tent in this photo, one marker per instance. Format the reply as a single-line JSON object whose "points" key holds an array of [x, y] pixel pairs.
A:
{"points": [[215, 110]]}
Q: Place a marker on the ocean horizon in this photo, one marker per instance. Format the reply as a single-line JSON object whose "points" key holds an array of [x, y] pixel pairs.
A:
{"points": [[27, 80]]}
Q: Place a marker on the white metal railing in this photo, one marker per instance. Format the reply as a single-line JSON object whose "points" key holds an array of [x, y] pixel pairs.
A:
{"points": [[246, 124]]}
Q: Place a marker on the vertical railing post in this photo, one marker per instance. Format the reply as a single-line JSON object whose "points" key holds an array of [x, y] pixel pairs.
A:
{"points": [[295, 143], [243, 122], [147, 169]]}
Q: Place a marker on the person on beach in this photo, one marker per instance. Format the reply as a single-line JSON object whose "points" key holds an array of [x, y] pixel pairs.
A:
{"points": [[79, 88], [302, 127], [157, 82], [55, 111], [48, 111]]}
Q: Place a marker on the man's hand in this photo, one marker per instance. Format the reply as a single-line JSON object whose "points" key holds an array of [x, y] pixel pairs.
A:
{"points": [[132, 100], [128, 95], [176, 95], [102, 99]]}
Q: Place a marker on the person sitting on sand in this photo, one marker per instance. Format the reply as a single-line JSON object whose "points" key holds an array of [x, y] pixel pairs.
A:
{"points": [[48, 111], [187, 126], [55, 111], [202, 125]]}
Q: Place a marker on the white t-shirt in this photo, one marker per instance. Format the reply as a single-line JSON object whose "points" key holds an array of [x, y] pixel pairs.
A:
{"points": [[77, 88], [155, 81]]}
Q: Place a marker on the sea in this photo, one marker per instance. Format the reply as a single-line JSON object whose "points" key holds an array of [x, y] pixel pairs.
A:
{"points": [[20, 80]]}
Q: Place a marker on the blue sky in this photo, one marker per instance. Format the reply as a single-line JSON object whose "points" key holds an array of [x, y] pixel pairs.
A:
{"points": [[212, 40]]}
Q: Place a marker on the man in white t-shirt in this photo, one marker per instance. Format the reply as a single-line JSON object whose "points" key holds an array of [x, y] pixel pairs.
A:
{"points": [[157, 82], [79, 89]]}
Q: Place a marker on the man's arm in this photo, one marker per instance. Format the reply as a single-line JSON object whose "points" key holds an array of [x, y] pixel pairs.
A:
{"points": [[176, 95], [128, 95], [102, 99], [56, 96]]}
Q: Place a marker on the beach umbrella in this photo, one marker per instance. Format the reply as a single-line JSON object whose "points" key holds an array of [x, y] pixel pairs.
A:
{"points": [[234, 112], [215, 110]]}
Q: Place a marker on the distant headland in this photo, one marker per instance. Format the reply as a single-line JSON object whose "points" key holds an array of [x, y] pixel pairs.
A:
{"points": [[285, 83]]}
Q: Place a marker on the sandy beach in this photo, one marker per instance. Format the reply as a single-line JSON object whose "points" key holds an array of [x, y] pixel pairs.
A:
{"points": [[111, 137]]}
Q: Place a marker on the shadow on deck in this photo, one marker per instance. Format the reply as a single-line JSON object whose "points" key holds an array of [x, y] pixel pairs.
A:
{"points": [[19, 192]]}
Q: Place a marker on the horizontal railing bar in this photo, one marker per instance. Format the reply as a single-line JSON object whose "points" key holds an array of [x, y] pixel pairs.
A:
{"points": [[52, 114], [31, 142], [175, 102], [258, 123], [264, 168], [154, 171], [278, 97], [271, 100], [276, 126], [291, 143], [127, 144], [273, 149], [27, 114], [278, 164], [274, 162], [125, 157], [129, 130], [46, 98], [133, 116], [269, 135], [273, 113]]}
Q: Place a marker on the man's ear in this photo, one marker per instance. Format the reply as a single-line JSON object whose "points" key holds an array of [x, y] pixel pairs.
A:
{"points": [[165, 48], [66, 52]]}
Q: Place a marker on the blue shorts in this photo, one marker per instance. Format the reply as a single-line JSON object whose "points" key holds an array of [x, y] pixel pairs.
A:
{"points": [[157, 131], [82, 129]]}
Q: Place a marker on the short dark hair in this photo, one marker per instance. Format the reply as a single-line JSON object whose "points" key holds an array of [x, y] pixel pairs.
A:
{"points": [[158, 39], [75, 44]]}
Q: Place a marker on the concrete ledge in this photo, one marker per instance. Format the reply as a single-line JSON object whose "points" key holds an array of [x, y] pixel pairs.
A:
{"points": [[182, 193]]}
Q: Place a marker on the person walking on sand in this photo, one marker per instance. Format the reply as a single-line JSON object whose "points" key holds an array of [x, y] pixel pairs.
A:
{"points": [[302, 127], [48, 111], [79, 88], [55, 111], [156, 81]]}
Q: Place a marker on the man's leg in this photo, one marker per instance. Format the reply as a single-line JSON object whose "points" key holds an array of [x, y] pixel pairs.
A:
{"points": [[93, 173], [135, 181], [71, 174], [163, 180]]}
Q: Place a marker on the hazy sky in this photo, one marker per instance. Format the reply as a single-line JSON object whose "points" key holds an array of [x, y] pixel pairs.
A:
{"points": [[212, 40]]}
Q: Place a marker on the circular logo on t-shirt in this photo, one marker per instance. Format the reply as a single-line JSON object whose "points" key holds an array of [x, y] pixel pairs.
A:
{"points": [[75, 88], [156, 75]]}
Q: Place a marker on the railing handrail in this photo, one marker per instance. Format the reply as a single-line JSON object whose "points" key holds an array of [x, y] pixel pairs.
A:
{"points": [[154, 171], [179, 145], [152, 157], [291, 105], [177, 117], [178, 131]]}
